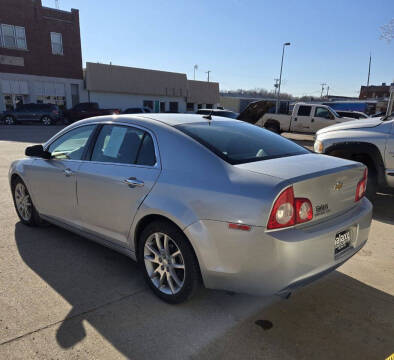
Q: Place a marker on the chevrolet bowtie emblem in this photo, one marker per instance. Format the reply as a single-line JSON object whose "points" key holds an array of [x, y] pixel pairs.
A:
{"points": [[338, 185]]}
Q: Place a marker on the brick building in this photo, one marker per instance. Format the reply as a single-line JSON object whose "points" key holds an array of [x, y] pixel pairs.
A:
{"points": [[40, 55], [375, 91]]}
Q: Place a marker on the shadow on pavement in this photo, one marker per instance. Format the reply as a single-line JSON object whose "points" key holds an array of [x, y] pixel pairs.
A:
{"points": [[28, 133], [335, 318], [107, 290], [383, 208]]}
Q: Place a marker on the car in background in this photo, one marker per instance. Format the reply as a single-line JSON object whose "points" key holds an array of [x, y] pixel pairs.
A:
{"points": [[304, 118], [46, 114], [352, 114], [137, 110], [86, 110], [214, 201], [370, 142], [218, 112]]}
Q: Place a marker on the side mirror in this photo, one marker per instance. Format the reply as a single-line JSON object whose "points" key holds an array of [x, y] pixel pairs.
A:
{"points": [[37, 151]]}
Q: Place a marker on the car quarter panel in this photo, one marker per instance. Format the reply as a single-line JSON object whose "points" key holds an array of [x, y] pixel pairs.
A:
{"points": [[264, 263]]}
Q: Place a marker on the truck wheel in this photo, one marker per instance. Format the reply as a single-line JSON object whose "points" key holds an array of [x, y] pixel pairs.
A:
{"points": [[273, 127], [372, 184]]}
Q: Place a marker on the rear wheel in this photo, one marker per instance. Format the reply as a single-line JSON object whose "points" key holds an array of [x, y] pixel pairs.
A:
{"points": [[9, 120], [46, 120], [23, 204], [273, 127], [168, 261], [372, 184]]}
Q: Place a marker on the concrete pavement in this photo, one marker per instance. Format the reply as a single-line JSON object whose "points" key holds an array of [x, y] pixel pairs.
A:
{"points": [[62, 296]]}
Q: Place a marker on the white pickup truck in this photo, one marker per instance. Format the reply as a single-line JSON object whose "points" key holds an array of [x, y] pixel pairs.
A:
{"points": [[305, 118]]}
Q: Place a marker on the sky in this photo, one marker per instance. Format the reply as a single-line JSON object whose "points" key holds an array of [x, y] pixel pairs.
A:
{"points": [[240, 41]]}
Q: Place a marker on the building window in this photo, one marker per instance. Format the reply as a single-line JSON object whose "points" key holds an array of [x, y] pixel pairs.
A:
{"points": [[209, 106], [190, 107], [12, 37], [57, 43], [173, 106], [162, 106], [148, 104], [199, 106]]}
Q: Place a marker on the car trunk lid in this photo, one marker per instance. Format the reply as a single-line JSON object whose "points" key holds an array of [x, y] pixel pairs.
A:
{"points": [[329, 183]]}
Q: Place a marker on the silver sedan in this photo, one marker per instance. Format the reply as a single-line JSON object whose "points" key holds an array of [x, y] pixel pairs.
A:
{"points": [[198, 200]]}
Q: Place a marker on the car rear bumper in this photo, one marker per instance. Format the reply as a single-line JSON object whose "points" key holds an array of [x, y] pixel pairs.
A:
{"points": [[266, 263]]}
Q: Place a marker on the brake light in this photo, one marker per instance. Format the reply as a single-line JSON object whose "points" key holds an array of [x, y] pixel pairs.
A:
{"points": [[361, 186], [304, 210], [288, 210]]}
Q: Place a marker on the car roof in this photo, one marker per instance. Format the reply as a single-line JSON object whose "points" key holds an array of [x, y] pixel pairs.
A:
{"points": [[169, 119]]}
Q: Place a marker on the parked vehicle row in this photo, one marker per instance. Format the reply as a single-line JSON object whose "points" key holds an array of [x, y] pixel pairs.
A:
{"points": [[270, 217], [49, 114]]}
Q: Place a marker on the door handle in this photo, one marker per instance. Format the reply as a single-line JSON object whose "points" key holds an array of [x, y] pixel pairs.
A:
{"points": [[133, 182], [68, 172], [313, 120]]}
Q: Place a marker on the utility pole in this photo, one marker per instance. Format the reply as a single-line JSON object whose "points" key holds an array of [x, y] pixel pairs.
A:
{"points": [[322, 89], [207, 72], [195, 68], [328, 88], [369, 69], [280, 78]]}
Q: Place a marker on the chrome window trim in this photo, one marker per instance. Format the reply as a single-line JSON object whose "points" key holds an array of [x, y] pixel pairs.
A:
{"points": [[109, 122]]}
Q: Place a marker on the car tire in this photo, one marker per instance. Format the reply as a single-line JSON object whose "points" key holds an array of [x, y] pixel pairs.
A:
{"points": [[46, 120], [24, 206], [9, 120], [273, 127], [372, 184], [170, 266]]}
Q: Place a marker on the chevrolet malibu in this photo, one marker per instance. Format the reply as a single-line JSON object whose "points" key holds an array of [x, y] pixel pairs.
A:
{"points": [[198, 200]]}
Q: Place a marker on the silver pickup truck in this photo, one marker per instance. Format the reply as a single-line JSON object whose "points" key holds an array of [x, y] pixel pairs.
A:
{"points": [[370, 141]]}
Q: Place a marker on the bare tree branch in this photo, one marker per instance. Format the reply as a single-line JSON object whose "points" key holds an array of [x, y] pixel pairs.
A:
{"points": [[387, 31]]}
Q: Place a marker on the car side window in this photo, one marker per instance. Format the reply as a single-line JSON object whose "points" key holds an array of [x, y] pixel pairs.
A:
{"points": [[117, 144], [322, 113], [304, 110], [146, 155], [71, 145]]}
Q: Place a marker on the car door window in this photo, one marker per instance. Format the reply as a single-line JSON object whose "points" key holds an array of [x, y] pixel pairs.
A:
{"points": [[146, 155], [304, 110], [322, 113], [118, 144], [71, 145]]}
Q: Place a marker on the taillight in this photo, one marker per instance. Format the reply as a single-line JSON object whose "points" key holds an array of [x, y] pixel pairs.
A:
{"points": [[304, 210], [288, 210], [361, 186]]}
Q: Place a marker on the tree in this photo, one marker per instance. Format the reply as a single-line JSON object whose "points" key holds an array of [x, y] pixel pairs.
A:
{"points": [[387, 31]]}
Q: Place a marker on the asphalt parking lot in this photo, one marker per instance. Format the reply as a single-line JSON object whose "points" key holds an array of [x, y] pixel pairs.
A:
{"points": [[64, 297]]}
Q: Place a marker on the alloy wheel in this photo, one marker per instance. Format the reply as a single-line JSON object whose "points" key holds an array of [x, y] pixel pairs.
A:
{"points": [[9, 120], [164, 263], [46, 120], [23, 202]]}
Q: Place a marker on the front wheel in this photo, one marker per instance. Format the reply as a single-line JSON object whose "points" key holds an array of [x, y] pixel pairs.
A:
{"points": [[9, 120], [46, 120], [23, 204], [168, 261]]}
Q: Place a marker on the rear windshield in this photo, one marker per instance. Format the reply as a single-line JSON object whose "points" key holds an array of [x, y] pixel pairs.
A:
{"points": [[238, 142]]}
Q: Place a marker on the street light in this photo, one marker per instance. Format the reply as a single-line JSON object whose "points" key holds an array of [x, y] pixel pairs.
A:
{"points": [[280, 77]]}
